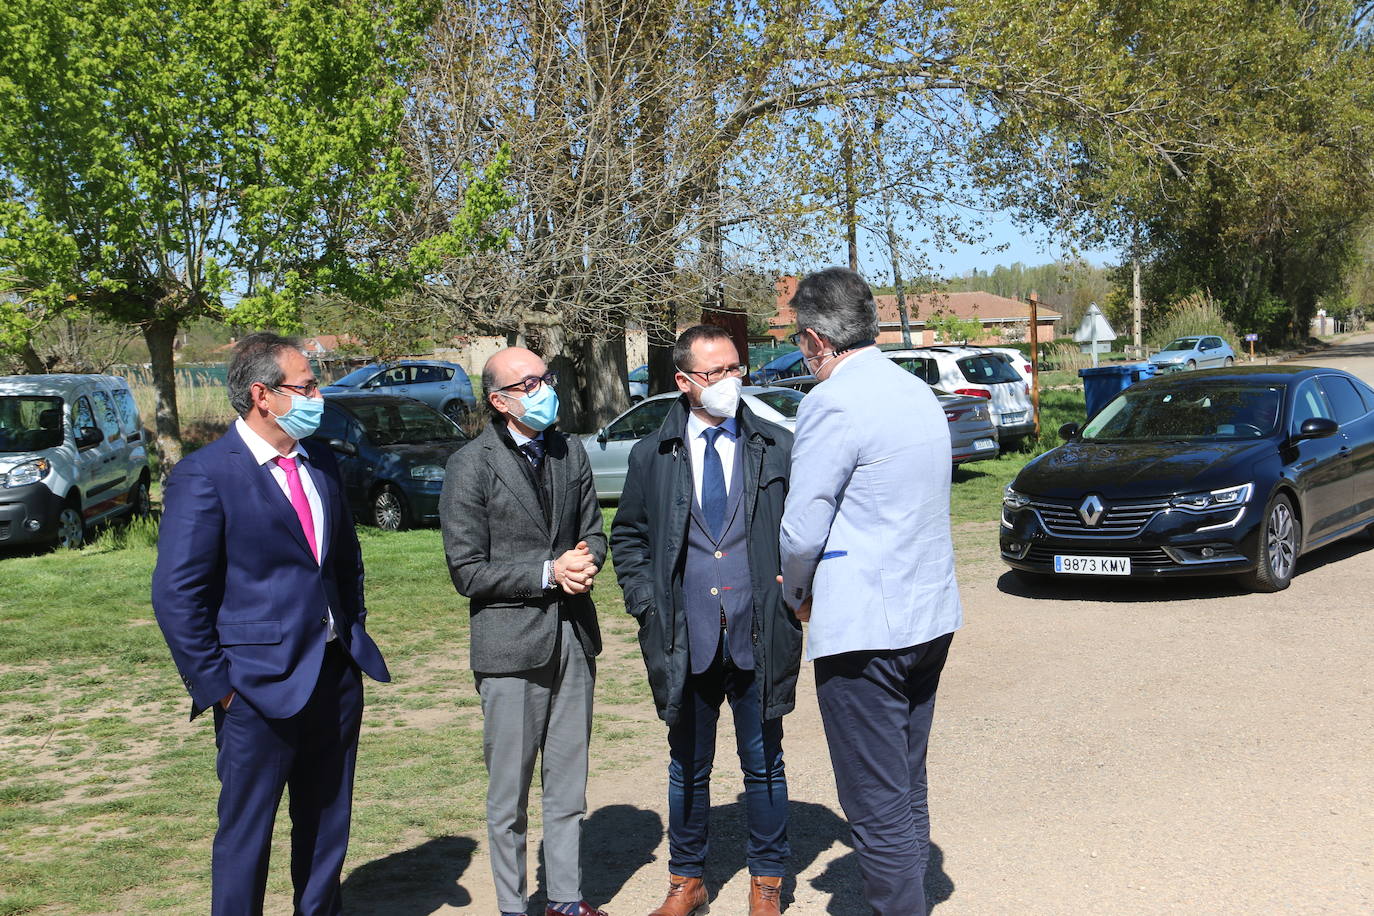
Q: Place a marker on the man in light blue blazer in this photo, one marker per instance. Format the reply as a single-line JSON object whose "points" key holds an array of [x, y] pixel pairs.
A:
{"points": [[867, 557]]}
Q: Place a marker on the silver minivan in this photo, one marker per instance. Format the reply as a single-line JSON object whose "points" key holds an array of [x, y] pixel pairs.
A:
{"points": [[73, 453]]}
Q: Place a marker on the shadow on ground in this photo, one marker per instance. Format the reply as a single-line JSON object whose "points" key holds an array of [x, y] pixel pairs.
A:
{"points": [[813, 829], [415, 882]]}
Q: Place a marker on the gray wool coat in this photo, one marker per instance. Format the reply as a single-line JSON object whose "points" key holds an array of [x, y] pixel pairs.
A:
{"points": [[496, 540]]}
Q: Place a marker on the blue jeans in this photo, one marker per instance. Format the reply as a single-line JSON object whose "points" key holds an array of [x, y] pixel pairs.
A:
{"points": [[692, 749]]}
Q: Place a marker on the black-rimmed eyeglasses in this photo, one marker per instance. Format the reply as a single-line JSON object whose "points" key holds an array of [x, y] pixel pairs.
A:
{"points": [[530, 383], [711, 376], [308, 389]]}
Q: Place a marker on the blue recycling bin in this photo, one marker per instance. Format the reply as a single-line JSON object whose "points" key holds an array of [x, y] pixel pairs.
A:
{"points": [[1103, 383]]}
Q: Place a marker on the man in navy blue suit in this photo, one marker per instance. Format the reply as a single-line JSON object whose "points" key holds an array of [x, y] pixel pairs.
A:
{"points": [[259, 593]]}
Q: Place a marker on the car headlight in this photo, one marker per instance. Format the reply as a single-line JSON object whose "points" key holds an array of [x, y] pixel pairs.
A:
{"points": [[427, 472], [1217, 499], [21, 475], [1013, 500]]}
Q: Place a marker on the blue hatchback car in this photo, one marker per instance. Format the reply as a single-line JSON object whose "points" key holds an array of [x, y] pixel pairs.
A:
{"points": [[392, 453], [443, 386]]}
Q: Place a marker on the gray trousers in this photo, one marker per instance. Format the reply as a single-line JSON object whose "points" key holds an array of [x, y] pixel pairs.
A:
{"points": [[549, 710]]}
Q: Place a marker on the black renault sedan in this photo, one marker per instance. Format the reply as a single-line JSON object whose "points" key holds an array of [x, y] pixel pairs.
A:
{"points": [[391, 451], [1236, 470]]}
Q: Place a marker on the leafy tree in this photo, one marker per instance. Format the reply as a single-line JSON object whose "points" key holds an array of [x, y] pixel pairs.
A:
{"points": [[165, 161]]}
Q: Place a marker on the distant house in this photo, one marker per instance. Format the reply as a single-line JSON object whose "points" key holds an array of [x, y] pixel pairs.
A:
{"points": [[1004, 320]]}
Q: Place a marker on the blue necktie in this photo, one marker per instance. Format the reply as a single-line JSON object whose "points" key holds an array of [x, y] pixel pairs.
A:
{"points": [[713, 483]]}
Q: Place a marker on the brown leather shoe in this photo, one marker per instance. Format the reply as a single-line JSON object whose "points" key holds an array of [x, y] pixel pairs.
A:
{"points": [[765, 895], [686, 897]]}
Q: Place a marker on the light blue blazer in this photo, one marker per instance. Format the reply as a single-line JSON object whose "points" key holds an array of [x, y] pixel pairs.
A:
{"points": [[865, 531]]}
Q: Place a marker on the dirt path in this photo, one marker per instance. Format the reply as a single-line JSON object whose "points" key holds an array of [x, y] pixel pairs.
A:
{"points": [[1097, 749]]}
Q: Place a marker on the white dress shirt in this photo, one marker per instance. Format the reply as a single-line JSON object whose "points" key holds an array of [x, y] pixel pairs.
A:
{"points": [[725, 447], [265, 453]]}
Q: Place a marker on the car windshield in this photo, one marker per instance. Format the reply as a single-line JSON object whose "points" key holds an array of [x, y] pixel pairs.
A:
{"points": [[29, 423], [988, 369], [356, 377], [784, 401], [1183, 343], [402, 423], [1198, 411]]}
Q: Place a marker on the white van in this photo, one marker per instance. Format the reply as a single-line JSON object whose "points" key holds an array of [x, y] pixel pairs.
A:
{"points": [[979, 373], [73, 453]]}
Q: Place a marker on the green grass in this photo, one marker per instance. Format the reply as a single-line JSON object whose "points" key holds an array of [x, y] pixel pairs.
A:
{"points": [[107, 793]]}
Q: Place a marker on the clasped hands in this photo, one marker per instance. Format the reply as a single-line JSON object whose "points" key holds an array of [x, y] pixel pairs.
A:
{"points": [[575, 569]]}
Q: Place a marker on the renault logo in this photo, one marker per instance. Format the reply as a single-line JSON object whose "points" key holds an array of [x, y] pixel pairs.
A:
{"points": [[1091, 511]]}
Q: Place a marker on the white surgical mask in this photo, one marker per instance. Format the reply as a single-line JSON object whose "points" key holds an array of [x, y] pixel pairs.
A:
{"points": [[721, 399]]}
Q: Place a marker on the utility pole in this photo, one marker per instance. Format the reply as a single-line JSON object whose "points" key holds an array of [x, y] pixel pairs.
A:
{"points": [[851, 219], [1136, 305], [1034, 301]]}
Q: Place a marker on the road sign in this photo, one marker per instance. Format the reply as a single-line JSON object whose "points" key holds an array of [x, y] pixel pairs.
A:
{"points": [[1252, 337]]}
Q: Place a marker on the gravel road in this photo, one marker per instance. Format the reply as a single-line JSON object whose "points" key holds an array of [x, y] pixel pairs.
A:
{"points": [[1113, 748]]}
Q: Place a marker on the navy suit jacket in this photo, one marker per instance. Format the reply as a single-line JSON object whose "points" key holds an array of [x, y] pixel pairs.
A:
{"points": [[238, 593]]}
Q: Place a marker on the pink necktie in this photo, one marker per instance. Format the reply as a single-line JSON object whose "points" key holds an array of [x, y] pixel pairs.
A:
{"points": [[299, 501]]}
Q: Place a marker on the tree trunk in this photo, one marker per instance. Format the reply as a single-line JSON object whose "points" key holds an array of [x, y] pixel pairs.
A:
{"points": [[160, 334], [602, 378], [33, 363]]}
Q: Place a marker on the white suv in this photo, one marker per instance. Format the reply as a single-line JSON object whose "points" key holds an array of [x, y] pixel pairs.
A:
{"points": [[978, 372], [72, 453]]}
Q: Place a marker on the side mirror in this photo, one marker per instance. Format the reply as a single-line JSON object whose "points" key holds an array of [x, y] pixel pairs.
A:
{"points": [[601, 436], [1068, 431], [1317, 428], [347, 448], [88, 436]]}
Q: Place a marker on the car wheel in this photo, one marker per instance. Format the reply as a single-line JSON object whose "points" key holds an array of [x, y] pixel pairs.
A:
{"points": [[389, 509], [1192, 364], [140, 502], [457, 411], [1229, 362], [1278, 547], [71, 527]]}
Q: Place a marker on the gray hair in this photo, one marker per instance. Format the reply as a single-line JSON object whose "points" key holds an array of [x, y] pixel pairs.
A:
{"points": [[838, 305], [255, 360]]}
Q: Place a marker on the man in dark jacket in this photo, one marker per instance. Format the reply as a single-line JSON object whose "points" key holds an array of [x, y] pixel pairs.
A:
{"points": [[696, 550], [522, 533]]}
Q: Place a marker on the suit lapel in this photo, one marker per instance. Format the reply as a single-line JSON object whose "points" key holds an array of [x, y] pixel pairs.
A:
{"points": [[503, 463], [276, 501], [555, 459]]}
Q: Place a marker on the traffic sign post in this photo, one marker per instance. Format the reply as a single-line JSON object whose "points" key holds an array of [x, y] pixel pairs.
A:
{"points": [[1252, 338]]}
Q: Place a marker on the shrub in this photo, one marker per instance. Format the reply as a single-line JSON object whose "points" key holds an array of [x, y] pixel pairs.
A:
{"points": [[1193, 316]]}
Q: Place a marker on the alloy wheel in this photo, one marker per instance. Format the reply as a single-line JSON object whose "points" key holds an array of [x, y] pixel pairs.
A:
{"points": [[1281, 541], [387, 510]]}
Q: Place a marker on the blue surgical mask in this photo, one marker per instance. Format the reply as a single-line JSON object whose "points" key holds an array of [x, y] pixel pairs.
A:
{"points": [[541, 408], [303, 418]]}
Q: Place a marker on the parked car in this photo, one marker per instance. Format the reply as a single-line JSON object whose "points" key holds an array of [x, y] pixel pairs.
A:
{"points": [[1218, 471], [392, 451], [972, 434], [1194, 353], [638, 383], [788, 365], [73, 453], [977, 372], [609, 448], [1014, 358], [443, 386]]}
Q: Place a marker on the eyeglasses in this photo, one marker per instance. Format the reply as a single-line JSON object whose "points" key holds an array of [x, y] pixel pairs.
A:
{"points": [[714, 375], [308, 389], [530, 383]]}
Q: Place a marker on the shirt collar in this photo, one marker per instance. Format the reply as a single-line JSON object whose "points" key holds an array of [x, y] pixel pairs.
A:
{"points": [[261, 450], [696, 426], [520, 438], [844, 363]]}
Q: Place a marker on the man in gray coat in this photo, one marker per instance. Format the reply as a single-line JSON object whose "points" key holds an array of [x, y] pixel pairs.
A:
{"points": [[696, 552], [522, 533]]}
